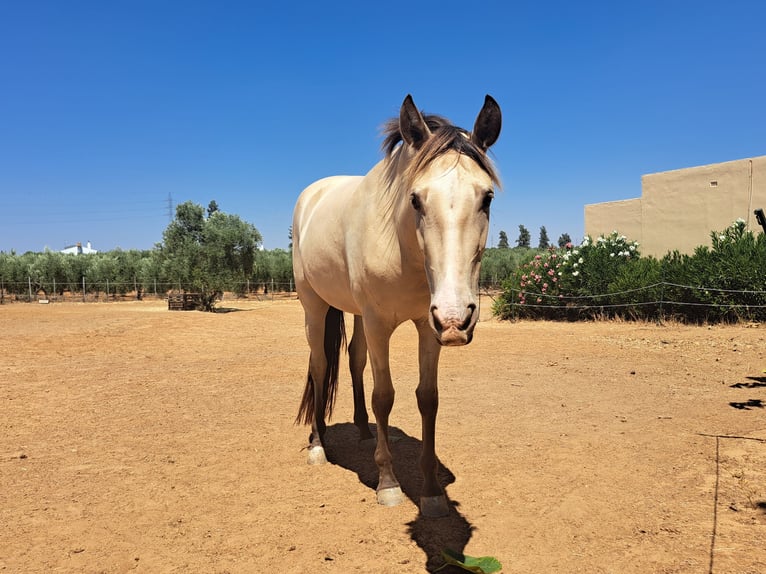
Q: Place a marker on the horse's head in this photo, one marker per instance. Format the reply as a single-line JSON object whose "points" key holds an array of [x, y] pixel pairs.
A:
{"points": [[451, 183]]}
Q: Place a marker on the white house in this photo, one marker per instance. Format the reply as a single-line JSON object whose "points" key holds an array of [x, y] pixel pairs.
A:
{"points": [[78, 249]]}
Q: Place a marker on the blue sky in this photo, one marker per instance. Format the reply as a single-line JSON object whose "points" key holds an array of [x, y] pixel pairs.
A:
{"points": [[107, 109]]}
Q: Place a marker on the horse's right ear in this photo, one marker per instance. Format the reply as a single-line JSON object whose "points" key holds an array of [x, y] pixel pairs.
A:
{"points": [[412, 126]]}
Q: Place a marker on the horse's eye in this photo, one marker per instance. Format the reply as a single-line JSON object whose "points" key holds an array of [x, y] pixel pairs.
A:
{"points": [[487, 200], [415, 200]]}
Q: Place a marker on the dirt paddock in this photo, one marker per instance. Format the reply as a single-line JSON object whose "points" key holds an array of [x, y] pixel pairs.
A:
{"points": [[136, 439]]}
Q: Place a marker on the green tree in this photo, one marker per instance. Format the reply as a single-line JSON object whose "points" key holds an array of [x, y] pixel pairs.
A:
{"points": [[77, 268], [51, 270], [564, 240], [524, 237], [106, 270], [230, 246], [181, 248], [274, 265], [208, 255], [543, 242], [497, 265], [128, 273], [503, 243]]}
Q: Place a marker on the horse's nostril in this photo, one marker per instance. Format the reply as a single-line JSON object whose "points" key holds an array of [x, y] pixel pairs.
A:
{"points": [[435, 316]]}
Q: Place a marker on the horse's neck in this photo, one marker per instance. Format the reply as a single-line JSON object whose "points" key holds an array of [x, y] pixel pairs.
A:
{"points": [[389, 195], [392, 210], [391, 179]]}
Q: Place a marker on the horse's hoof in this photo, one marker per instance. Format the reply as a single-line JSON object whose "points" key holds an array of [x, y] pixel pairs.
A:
{"points": [[390, 496], [434, 506], [316, 455]]}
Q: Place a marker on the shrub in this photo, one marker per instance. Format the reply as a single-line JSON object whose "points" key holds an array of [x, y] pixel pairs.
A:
{"points": [[497, 264], [723, 282], [607, 277], [570, 281]]}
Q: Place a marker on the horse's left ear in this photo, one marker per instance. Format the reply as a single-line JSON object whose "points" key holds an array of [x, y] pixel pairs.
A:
{"points": [[488, 123]]}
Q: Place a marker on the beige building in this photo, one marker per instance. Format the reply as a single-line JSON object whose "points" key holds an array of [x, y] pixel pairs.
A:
{"points": [[678, 209]]}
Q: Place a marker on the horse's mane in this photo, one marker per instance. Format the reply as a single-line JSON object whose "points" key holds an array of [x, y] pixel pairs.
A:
{"points": [[444, 137]]}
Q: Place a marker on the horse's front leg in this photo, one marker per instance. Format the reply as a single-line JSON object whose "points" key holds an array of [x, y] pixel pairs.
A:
{"points": [[357, 361], [433, 502], [389, 492]]}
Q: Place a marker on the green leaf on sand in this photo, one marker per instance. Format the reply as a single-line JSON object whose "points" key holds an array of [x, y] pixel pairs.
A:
{"points": [[481, 565]]}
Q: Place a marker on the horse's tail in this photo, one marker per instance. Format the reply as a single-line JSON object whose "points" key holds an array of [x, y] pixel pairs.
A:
{"points": [[334, 339]]}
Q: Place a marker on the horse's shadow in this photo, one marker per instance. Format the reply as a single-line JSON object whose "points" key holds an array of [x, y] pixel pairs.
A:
{"points": [[432, 535]]}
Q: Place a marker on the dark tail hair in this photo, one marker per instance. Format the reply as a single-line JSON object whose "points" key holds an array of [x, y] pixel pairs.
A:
{"points": [[334, 339]]}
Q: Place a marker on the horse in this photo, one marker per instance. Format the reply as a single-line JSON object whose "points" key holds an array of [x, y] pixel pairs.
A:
{"points": [[403, 242]]}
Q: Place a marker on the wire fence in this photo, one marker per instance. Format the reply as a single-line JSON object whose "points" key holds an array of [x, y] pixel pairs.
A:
{"points": [[104, 291], [656, 301]]}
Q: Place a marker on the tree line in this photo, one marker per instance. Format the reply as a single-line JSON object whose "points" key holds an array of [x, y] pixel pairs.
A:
{"points": [[525, 239], [205, 251]]}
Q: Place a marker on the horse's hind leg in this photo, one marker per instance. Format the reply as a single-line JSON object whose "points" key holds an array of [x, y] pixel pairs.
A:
{"points": [[313, 404], [317, 370], [357, 361]]}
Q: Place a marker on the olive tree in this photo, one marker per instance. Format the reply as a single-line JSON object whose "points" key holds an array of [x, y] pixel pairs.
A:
{"points": [[208, 254]]}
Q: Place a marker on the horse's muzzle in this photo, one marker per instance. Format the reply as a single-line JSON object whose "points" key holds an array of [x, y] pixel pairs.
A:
{"points": [[452, 330]]}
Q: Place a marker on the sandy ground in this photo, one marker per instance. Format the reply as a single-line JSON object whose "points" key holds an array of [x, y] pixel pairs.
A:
{"points": [[133, 438]]}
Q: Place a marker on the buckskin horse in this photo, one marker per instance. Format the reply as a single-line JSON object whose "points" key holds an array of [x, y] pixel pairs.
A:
{"points": [[403, 242]]}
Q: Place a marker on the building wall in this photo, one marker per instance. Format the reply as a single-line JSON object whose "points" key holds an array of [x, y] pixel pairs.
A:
{"points": [[679, 209], [621, 216]]}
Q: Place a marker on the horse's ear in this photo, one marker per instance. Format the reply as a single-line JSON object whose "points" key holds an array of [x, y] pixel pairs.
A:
{"points": [[412, 126], [487, 127]]}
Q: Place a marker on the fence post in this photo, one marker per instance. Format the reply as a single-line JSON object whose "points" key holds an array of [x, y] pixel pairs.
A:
{"points": [[107, 290], [83, 288], [29, 282], [514, 308], [272, 288]]}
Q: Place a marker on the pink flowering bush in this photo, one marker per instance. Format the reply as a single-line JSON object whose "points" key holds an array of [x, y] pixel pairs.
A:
{"points": [[538, 279], [551, 281]]}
